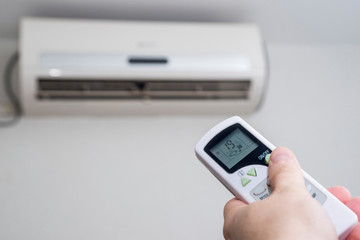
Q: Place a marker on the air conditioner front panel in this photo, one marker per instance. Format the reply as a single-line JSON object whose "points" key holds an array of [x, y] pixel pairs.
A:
{"points": [[121, 67]]}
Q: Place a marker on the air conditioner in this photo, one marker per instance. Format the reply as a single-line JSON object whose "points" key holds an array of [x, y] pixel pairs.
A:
{"points": [[73, 66]]}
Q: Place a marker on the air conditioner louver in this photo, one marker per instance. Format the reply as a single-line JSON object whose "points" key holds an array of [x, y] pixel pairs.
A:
{"points": [[138, 89]]}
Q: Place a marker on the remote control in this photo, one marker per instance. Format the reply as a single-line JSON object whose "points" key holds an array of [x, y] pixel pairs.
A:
{"points": [[238, 156]]}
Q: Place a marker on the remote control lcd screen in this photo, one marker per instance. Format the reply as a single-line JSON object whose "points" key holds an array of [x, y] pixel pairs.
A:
{"points": [[233, 148]]}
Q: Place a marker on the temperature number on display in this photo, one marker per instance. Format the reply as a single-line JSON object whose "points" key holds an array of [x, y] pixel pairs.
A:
{"points": [[234, 149]]}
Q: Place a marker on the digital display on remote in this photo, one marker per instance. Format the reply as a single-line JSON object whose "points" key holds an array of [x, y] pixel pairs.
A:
{"points": [[233, 148]]}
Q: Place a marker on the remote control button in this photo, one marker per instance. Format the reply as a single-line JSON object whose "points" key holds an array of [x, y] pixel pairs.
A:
{"points": [[267, 158], [308, 187], [241, 173], [259, 190], [252, 172], [245, 181]]}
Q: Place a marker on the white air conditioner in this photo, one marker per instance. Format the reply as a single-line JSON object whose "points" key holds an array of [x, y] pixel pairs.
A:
{"points": [[121, 67]]}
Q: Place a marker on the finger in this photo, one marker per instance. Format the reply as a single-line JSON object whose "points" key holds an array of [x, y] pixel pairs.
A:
{"points": [[355, 234], [284, 170], [341, 193], [232, 211], [232, 206], [354, 205], [234, 203]]}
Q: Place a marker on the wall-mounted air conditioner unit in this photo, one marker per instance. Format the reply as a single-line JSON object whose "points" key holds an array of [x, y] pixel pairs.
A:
{"points": [[123, 67]]}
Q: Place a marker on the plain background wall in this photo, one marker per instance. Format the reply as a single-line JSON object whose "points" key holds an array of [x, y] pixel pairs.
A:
{"points": [[137, 177]]}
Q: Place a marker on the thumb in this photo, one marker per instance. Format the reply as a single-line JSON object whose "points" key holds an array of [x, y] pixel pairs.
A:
{"points": [[285, 173]]}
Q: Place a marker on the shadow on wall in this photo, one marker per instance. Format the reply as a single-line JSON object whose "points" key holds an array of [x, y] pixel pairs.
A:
{"points": [[143, 12]]}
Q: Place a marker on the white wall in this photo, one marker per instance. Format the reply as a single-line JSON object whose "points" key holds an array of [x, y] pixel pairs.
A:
{"points": [[136, 178], [295, 22]]}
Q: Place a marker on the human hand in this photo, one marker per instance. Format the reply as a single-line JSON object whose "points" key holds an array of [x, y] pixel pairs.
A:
{"points": [[344, 196], [289, 213]]}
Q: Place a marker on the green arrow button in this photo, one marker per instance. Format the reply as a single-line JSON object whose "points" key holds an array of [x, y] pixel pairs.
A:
{"points": [[245, 181], [252, 172]]}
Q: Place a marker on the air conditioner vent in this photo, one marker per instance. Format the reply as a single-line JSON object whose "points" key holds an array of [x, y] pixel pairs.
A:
{"points": [[141, 89]]}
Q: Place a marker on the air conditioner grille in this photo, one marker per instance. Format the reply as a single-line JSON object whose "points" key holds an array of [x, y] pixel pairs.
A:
{"points": [[137, 89]]}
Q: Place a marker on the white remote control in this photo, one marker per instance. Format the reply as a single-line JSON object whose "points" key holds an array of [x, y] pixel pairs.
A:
{"points": [[238, 157]]}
